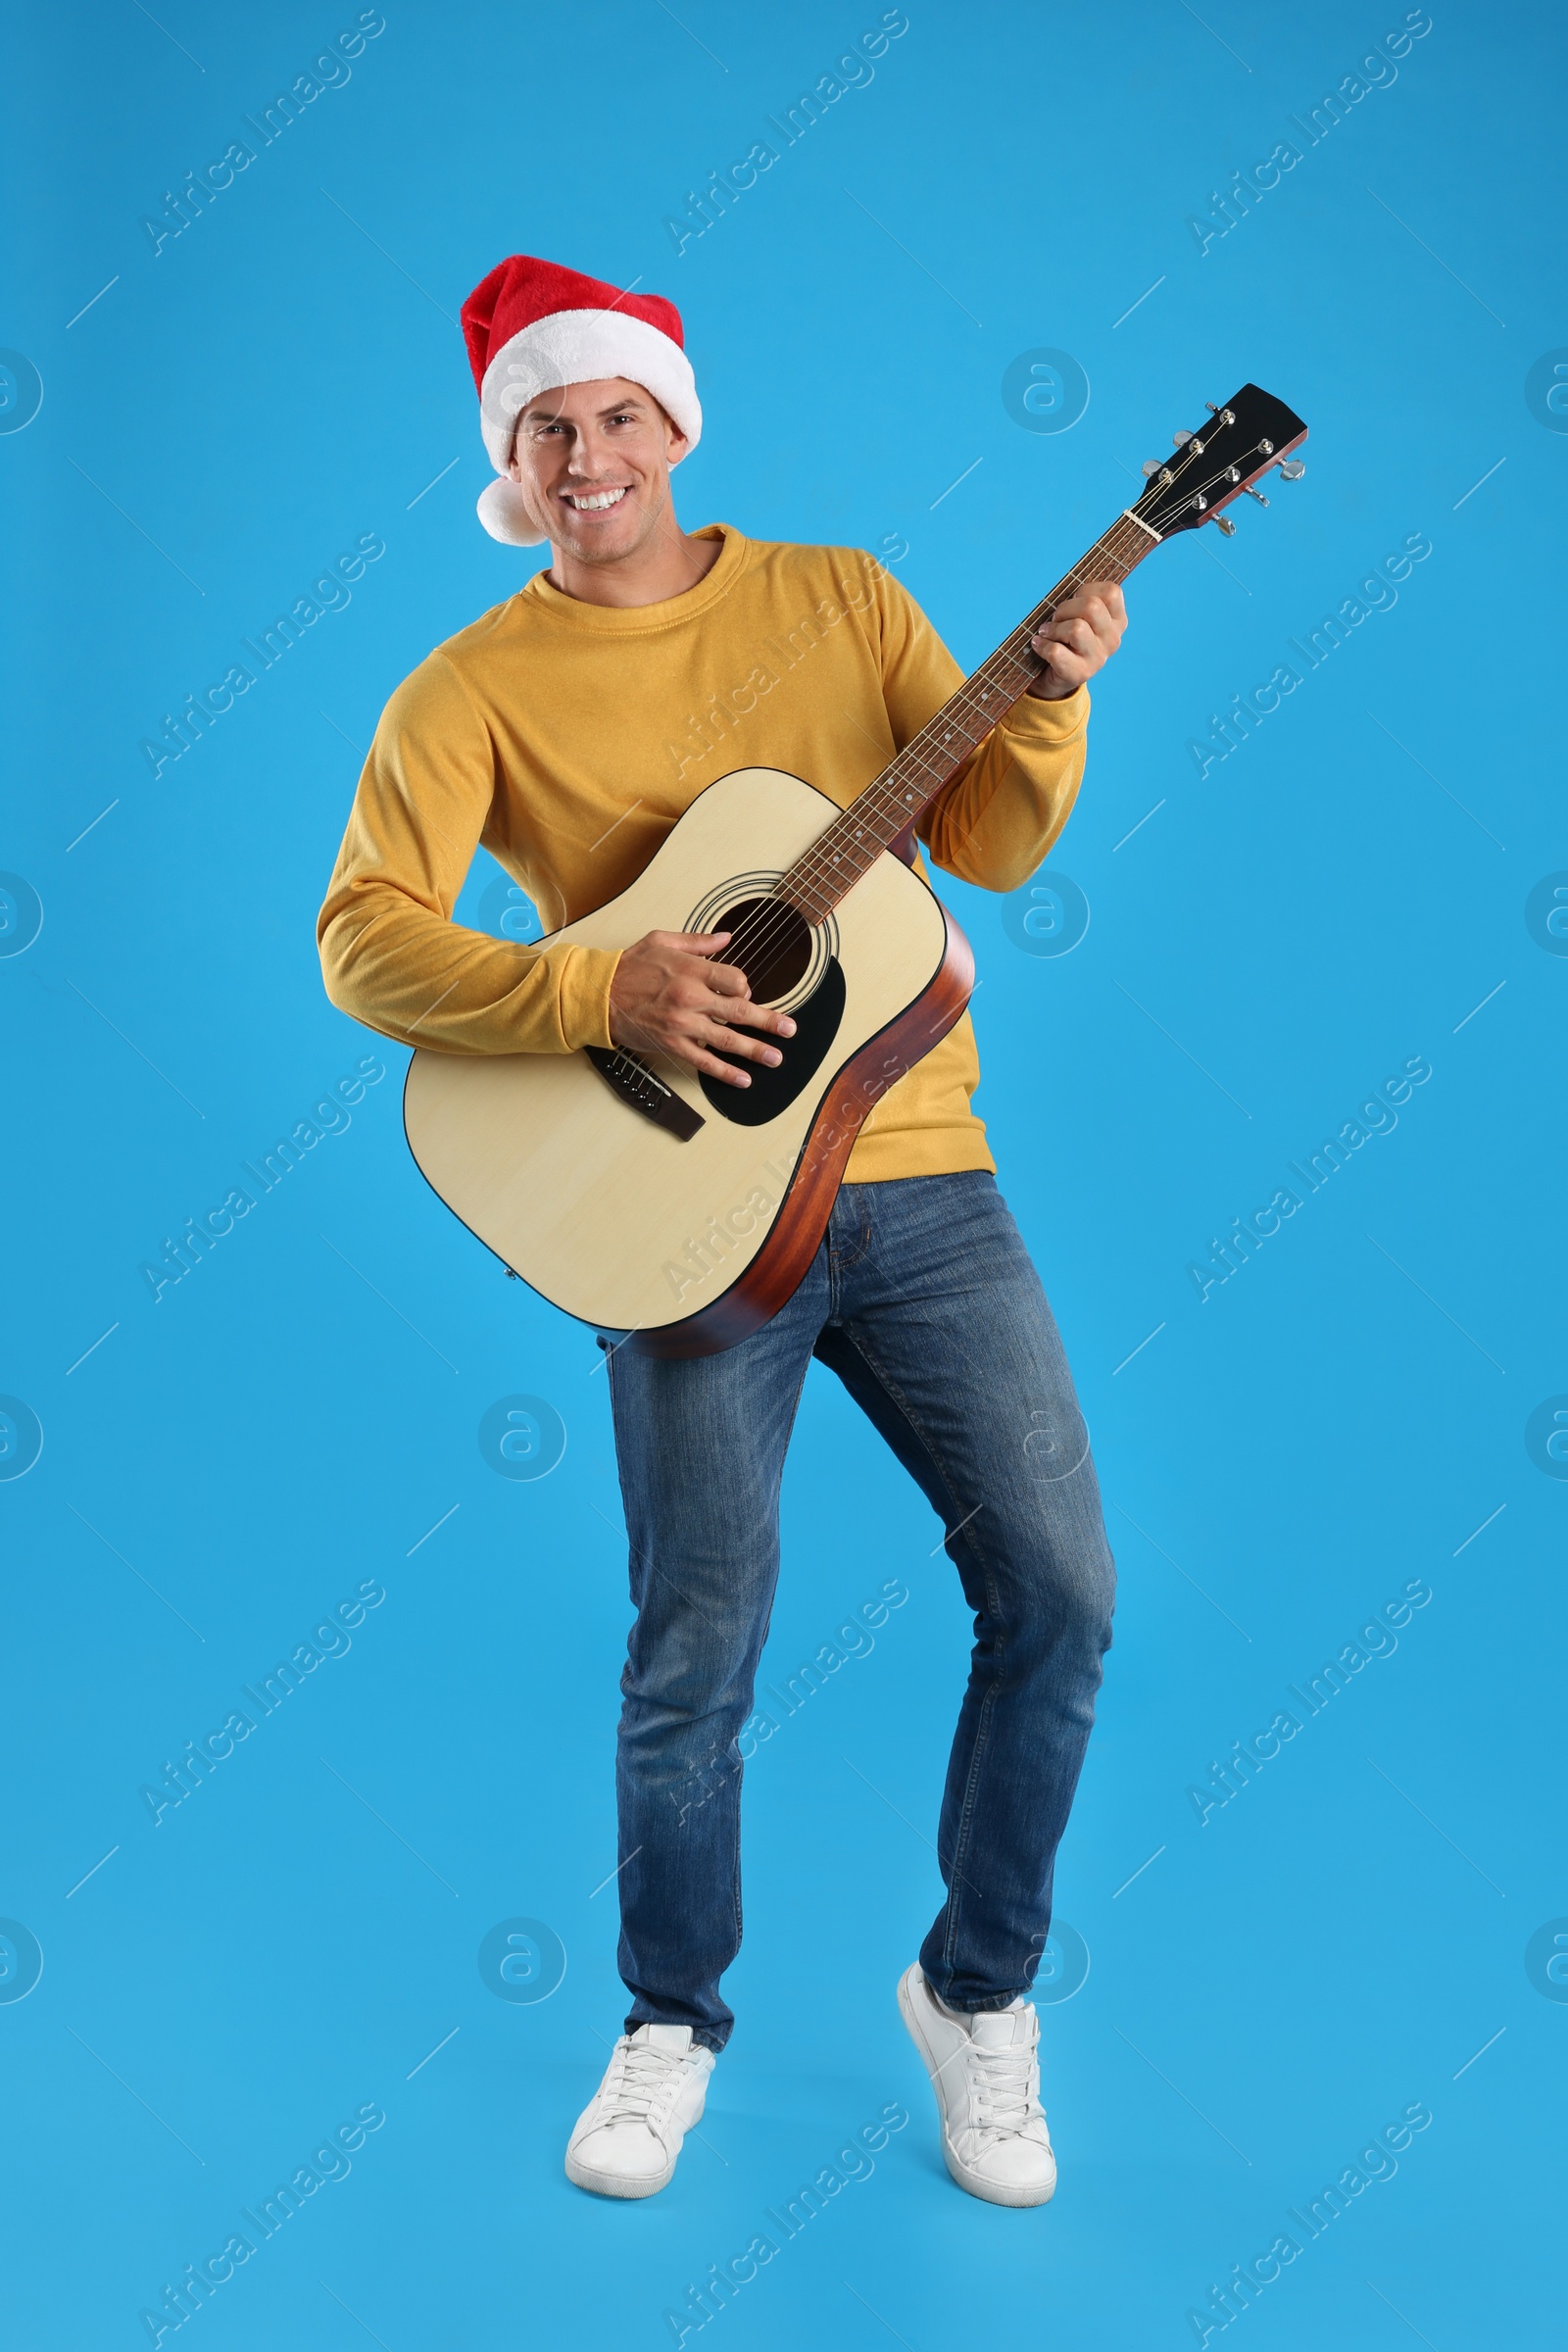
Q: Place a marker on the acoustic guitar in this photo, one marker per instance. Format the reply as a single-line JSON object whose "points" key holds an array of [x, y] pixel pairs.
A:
{"points": [[655, 1202]]}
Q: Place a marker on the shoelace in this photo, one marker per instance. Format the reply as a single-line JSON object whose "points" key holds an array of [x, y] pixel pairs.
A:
{"points": [[641, 2081], [1001, 2083]]}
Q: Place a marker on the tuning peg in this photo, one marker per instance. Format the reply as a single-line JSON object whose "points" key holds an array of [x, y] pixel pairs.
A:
{"points": [[1226, 525], [1257, 494], [1181, 439], [1293, 470], [1153, 466]]}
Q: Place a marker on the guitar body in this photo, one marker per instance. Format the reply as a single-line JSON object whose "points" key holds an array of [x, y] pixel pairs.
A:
{"points": [[689, 1245]]}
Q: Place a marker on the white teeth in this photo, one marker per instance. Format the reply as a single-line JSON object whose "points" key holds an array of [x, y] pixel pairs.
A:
{"points": [[598, 500]]}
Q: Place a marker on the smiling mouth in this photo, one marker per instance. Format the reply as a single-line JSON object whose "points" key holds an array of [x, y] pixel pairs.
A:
{"points": [[596, 502]]}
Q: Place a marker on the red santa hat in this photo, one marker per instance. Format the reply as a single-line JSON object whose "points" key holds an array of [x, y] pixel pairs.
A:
{"points": [[532, 328]]}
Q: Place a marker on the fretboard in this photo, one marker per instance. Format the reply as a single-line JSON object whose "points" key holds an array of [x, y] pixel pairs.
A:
{"points": [[891, 804]]}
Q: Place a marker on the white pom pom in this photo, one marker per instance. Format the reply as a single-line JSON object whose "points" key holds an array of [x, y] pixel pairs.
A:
{"points": [[505, 516]]}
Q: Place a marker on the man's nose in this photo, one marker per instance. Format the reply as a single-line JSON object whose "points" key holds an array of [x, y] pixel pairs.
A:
{"points": [[588, 458]]}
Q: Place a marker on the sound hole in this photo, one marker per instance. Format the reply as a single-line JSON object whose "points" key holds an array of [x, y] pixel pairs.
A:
{"points": [[770, 942]]}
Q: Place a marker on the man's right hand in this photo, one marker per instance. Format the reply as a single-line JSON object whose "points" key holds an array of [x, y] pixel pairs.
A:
{"points": [[669, 997]]}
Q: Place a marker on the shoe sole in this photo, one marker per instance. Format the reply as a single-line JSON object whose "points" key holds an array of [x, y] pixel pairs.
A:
{"points": [[617, 2184], [992, 2192]]}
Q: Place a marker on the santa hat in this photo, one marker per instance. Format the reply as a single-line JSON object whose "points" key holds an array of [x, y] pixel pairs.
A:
{"points": [[534, 327]]}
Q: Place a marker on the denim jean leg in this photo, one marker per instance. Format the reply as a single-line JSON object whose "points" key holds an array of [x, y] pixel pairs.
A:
{"points": [[701, 1449], [945, 1338]]}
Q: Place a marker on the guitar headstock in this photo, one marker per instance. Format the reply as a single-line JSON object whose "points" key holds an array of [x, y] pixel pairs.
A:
{"points": [[1219, 461]]}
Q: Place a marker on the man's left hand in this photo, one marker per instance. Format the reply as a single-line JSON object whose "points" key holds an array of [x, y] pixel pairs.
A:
{"points": [[1079, 638]]}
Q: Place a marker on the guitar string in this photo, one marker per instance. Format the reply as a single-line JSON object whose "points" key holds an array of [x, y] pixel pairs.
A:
{"points": [[1122, 542], [1115, 548], [765, 928], [1123, 545], [973, 725], [1134, 545], [769, 928]]}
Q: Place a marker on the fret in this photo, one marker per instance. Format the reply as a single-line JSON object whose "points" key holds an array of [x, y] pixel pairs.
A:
{"points": [[893, 802], [915, 755]]}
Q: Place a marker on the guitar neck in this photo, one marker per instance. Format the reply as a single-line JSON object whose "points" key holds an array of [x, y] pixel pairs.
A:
{"points": [[892, 804]]}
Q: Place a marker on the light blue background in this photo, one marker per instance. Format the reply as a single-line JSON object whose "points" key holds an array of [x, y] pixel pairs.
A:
{"points": [[292, 1419]]}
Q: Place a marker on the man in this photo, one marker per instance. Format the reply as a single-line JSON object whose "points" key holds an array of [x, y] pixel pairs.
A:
{"points": [[567, 729]]}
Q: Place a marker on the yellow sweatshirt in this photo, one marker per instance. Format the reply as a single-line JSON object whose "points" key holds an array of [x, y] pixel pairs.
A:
{"points": [[568, 737]]}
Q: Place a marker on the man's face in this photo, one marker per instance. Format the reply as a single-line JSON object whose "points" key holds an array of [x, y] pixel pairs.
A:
{"points": [[593, 461]]}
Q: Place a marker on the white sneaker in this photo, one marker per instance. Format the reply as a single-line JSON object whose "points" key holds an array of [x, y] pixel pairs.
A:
{"points": [[985, 2070], [627, 2138]]}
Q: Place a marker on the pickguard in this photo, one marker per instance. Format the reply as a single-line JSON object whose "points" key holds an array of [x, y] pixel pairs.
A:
{"points": [[772, 1090]]}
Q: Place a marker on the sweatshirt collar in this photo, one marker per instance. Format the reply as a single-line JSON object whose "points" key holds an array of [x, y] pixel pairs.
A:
{"points": [[540, 594]]}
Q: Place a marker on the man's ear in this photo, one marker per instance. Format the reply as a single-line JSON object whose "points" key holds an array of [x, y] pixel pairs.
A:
{"points": [[676, 445], [515, 474]]}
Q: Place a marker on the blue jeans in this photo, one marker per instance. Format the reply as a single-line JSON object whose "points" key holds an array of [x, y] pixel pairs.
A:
{"points": [[923, 1299]]}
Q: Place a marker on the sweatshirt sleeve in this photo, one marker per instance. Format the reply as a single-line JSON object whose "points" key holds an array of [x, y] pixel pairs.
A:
{"points": [[997, 819], [391, 954]]}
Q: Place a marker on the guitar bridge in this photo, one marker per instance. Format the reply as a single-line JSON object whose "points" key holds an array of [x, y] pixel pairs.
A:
{"points": [[635, 1083]]}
